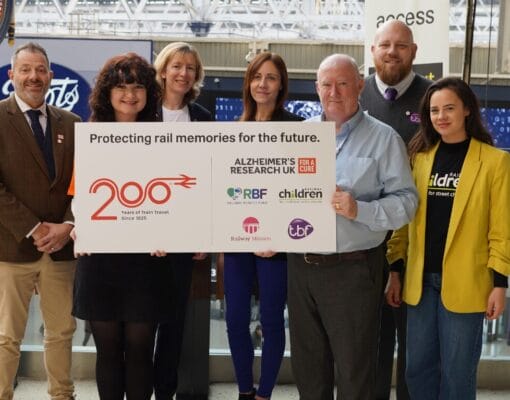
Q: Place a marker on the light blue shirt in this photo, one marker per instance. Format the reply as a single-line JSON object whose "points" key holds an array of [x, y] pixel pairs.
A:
{"points": [[372, 165]]}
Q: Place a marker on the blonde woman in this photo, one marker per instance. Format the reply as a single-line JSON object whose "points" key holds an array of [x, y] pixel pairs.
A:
{"points": [[180, 73]]}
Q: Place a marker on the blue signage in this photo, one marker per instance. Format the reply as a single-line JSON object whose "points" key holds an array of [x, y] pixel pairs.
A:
{"points": [[68, 90]]}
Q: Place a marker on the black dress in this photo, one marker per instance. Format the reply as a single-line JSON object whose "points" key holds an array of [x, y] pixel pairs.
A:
{"points": [[122, 287]]}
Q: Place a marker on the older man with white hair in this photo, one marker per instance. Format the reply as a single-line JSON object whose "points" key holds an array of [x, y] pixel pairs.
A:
{"points": [[334, 299]]}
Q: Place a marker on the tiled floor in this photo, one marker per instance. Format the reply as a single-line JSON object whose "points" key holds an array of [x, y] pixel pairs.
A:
{"points": [[86, 390]]}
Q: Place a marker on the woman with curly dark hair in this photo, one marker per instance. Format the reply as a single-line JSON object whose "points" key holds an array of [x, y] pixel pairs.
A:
{"points": [[124, 296], [118, 72]]}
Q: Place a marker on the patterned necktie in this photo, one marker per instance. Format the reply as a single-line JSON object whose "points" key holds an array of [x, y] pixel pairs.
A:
{"points": [[390, 94], [37, 127]]}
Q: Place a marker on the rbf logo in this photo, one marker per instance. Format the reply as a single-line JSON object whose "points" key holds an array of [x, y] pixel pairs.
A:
{"points": [[251, 225], [131, 194], [246, 194], [299, 228], [234, 193]]}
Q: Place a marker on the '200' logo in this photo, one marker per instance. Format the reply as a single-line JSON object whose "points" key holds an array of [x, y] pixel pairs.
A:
{"points": [[141, 193]]}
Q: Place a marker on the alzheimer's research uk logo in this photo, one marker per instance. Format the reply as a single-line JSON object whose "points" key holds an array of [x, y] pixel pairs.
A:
{"points": [[251, 225], [68, 90], [307, 165], [299, 228]]}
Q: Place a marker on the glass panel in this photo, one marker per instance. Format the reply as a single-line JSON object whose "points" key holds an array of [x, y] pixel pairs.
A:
{"points": [[498, 123], [496, 335]]}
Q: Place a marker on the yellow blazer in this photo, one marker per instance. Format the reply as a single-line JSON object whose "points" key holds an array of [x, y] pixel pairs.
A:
{"points": [[478, 238]]}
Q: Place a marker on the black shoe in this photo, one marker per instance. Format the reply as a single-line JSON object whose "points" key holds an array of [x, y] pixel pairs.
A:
{"points": [[248, 396], [196, 396]]}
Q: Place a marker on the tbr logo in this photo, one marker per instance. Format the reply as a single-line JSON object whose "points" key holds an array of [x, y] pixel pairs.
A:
{"points": [[237, 193], [307, 165], [132, 194], [299, 228], [251, 225]]}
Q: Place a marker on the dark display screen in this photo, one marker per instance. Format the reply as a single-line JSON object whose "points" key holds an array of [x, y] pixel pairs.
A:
{"points": [[497, 119]]}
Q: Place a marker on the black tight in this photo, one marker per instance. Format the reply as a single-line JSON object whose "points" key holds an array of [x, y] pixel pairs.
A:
{"points": [[124, 359]]}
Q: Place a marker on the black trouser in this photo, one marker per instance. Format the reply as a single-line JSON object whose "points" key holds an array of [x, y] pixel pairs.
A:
{"points": [[393, 321], [170, 334], [334, 317]]}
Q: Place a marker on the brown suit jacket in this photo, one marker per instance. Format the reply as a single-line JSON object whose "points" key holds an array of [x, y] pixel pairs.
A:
{"points": [[27, 196]]}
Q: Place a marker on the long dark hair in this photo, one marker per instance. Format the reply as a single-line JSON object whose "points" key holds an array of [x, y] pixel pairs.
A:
{"points": [[249, 105], [122, 69], [427, 137]]}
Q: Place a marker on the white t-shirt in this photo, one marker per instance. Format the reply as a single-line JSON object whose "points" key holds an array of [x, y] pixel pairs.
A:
{"points": [[181, 115]]}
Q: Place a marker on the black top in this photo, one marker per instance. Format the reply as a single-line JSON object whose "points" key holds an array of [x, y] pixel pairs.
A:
{"points": [[443, 182], [198, 113], [284, 115]]}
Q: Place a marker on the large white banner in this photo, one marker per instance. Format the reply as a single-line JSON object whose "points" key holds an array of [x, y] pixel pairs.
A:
{"points": [[205, 186], [428, 19]]}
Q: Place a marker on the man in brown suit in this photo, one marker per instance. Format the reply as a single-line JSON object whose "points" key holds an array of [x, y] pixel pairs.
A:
{"points": [[36, 162]]}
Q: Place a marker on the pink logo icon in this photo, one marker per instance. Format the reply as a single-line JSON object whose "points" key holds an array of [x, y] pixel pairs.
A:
{"points": [[251, 225], [415, 118]]}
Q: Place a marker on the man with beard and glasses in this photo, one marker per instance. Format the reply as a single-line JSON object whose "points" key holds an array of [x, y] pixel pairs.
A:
{"points": [[393, 95], [36, 163]]}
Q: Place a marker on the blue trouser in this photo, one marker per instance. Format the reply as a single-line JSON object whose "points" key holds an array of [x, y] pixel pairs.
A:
{"points": [[443, 347], [241, 270]]}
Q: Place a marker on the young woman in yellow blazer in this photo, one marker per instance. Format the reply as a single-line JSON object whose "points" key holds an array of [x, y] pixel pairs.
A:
{"points": [[456, 251]]}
